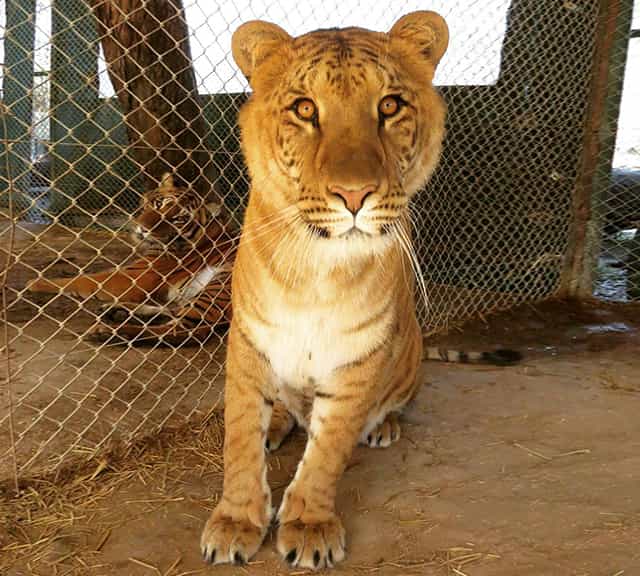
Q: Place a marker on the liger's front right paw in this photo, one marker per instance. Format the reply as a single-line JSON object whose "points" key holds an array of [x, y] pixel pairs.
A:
{"points": [[225, 540]]}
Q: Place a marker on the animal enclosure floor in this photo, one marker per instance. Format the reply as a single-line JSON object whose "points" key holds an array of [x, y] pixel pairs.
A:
{"points": [[72, 396], [531, 470]]}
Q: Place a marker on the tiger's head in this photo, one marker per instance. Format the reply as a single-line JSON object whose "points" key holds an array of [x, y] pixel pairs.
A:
{"points": [[175, 219], [343, 124]]}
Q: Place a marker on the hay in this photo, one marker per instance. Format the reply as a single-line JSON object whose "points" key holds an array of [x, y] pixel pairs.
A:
{"points": [[537, 454], [59, 523], [448, 561]]}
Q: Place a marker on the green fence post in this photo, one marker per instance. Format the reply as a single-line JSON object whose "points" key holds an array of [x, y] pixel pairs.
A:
{"points": [[74, 100], [17, 107]]}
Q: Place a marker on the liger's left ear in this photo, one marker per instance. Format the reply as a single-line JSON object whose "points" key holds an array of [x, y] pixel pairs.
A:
{"points": [[425, 31]]}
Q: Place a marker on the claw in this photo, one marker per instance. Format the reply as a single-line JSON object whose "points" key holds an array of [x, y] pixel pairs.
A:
{"points": [[291, 556], [209, 558]]}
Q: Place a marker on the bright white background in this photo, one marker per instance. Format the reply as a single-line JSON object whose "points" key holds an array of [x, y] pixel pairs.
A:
{"points": [[477, 31]]}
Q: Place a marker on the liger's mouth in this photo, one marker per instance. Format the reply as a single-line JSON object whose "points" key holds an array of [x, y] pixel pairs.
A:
{"points": [[354, 232], [351, 233]]}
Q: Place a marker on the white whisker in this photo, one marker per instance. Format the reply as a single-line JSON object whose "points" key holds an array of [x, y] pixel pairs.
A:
{"points": [[280, 232], [407, 247]]}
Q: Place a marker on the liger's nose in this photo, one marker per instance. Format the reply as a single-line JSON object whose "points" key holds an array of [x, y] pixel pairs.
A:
{"points": [[353, 199]]}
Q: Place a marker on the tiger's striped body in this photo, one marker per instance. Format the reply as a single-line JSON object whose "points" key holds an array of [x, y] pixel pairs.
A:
{"points": [[342, 129], [179, 289]]}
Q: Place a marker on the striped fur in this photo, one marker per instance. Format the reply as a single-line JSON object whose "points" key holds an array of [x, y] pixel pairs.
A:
{"points": [[342, 129], [179, 289], [499, 357]]}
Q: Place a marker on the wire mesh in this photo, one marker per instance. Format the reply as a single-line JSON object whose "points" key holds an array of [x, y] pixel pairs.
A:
{"points": [[493, 228], [618, 208]]}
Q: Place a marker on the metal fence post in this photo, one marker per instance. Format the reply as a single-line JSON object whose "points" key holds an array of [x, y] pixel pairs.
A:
{"points": [[598, 147]]}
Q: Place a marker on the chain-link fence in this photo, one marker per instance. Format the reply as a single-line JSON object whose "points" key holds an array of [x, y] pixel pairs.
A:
{"points": [[101, 97], [617, 198]]}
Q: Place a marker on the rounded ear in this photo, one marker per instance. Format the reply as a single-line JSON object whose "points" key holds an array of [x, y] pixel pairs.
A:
{"points": [[166, 182], [427, 31], [255, 41]]}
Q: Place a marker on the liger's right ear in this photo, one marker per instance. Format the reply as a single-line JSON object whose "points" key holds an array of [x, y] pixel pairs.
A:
{"points": [[253, 42]]}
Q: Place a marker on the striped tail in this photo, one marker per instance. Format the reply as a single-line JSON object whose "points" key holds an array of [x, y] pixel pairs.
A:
{"points": [[499, 357]]}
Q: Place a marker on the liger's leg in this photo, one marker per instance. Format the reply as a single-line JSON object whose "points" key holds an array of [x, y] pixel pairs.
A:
{"points": [[239, 522], [311, 533]]}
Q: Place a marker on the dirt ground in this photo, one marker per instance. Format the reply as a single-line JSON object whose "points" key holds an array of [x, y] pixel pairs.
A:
{"points": [[531, 470], [72, 396]]}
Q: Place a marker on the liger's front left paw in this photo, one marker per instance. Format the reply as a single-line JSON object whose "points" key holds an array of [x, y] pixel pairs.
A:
{"points": [[315, 546]]}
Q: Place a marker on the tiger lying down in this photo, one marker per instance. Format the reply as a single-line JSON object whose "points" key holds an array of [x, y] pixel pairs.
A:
{"points": [[342, 129], [179, 289]]}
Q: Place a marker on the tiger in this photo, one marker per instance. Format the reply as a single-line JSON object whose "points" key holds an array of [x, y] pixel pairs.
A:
{"points": [[342, 128], [179, 289]]}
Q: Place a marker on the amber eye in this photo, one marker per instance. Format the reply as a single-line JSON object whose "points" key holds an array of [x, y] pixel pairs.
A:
{"points": [[389, 106], [305, 109]]}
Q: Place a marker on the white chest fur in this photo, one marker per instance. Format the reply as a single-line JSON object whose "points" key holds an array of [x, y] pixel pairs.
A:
{"points": [[306, 345], [310, 342]]}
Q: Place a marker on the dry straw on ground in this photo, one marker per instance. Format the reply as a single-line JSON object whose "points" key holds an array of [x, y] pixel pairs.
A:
{"points": [[58, 524]]}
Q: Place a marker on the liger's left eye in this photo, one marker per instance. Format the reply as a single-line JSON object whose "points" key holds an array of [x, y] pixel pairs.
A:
{"points": [[389, 106]]}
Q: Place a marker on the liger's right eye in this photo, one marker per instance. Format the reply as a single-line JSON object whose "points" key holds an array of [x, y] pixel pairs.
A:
{"points": [[305, 109]]}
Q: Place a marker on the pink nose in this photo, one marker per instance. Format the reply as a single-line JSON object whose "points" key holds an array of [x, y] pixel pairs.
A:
{"points": [[353, 199]]}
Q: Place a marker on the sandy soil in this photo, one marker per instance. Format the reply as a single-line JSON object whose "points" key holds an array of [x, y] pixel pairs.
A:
{"points": [[529, 470], [73, 396]]}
